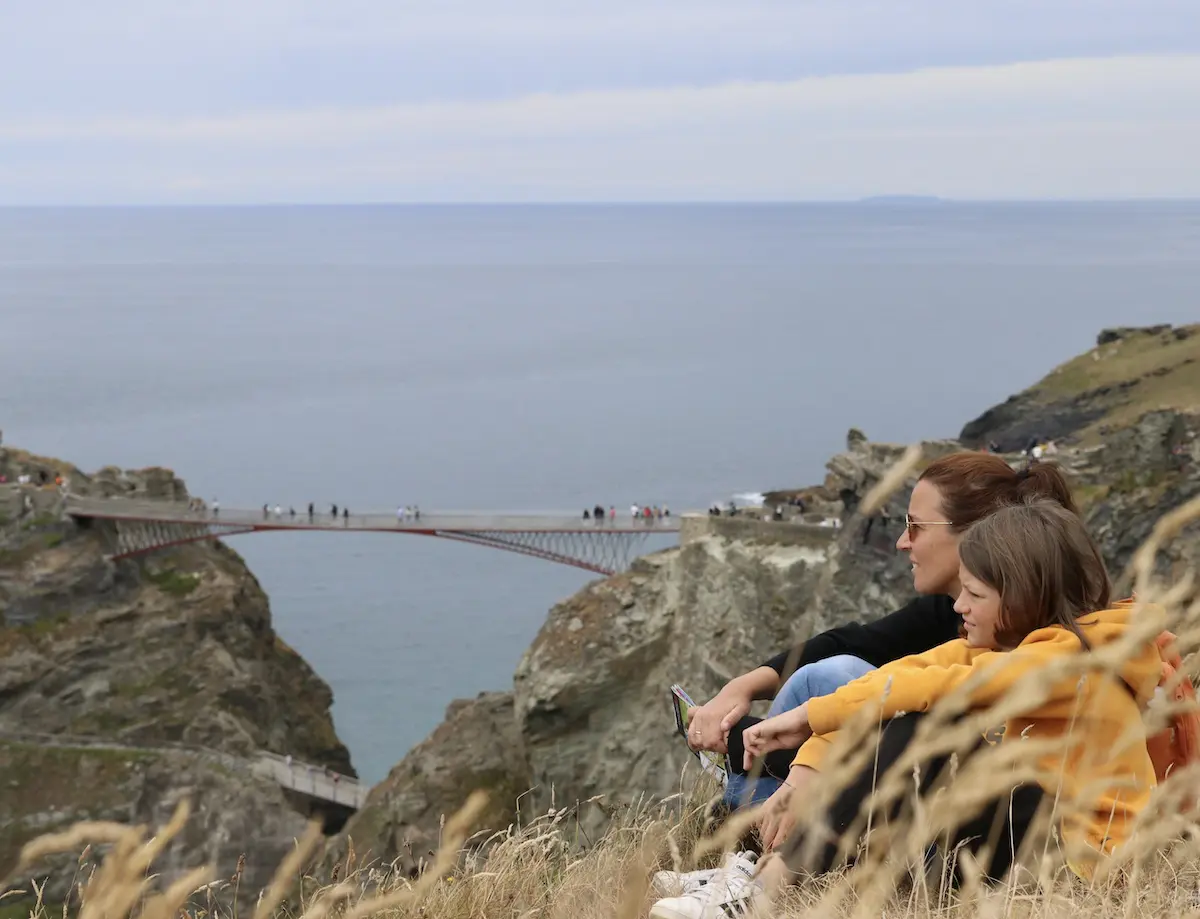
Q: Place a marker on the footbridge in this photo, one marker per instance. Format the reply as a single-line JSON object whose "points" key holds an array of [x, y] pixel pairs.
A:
{"points": [[604, 546]]}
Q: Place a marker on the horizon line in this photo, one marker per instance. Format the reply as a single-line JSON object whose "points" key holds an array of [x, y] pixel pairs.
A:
{"points": [[873, 200]]}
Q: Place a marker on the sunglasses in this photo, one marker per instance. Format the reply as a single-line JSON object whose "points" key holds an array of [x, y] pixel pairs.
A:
{"points": [[914, 526]]}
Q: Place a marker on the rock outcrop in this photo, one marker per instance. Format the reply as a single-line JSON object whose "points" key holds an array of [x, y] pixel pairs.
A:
{"points": [[107, 670], [589, 713], [1129, 372]]}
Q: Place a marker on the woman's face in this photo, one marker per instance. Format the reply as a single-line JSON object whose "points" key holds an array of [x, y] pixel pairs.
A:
{"points": [[979, 606], [931, 545]]}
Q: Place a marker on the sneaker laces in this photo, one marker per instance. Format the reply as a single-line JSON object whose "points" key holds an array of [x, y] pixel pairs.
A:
{"points": [[734, 880]]}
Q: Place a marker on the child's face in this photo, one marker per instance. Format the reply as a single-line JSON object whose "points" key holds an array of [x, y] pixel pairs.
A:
{"points": [[979, 606]]}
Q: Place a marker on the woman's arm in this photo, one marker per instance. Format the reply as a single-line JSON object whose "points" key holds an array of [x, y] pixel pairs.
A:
{"points": [[706, 724]]}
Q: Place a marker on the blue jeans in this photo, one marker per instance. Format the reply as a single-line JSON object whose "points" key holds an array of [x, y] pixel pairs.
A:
{"points": [[819, 678]]}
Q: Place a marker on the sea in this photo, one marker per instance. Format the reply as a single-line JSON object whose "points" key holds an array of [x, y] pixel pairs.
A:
{"points": [[530, 358]]}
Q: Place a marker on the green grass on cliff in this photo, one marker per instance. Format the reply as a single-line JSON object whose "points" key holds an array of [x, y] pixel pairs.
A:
{"points": [[1143, 372], [175, 583]]}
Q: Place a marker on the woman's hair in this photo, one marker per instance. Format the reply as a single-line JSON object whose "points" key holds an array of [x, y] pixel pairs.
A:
{"points": [[1044, 564], [973, 485]]}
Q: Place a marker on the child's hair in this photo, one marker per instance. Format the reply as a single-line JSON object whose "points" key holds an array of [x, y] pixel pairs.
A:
{"points": [[1043, 562]]}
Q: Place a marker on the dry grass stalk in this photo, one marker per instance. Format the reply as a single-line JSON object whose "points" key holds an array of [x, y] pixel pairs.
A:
{"points": [[288, 871]]}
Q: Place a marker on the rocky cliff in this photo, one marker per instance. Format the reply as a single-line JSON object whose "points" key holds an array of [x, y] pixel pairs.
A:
{"points": [[588, 714], [127, 686], [1129, 372]]}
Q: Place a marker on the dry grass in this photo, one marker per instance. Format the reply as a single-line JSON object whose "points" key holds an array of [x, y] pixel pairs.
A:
{"points": [[538, 869]]}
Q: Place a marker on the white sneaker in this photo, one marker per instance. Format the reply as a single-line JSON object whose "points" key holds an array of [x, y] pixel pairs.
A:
{"points": [[727, 894], [679, 883]]}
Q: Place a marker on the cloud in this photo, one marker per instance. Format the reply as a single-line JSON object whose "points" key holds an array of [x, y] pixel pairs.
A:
{"points": [[1089, 127], [146, 57]]}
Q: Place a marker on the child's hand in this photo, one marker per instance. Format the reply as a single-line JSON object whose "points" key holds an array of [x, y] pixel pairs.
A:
{"points": [[783, 732]]}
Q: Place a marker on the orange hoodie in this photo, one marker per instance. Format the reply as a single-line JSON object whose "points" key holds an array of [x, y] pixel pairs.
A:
{"points": [[1096, 715]]}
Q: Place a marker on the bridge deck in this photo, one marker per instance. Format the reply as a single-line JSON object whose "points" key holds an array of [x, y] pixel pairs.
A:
{"points": [[438, 521]]}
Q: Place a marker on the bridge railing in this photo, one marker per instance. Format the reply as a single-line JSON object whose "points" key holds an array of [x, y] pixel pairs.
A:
{"points": [[312, 780], [453, 520]]}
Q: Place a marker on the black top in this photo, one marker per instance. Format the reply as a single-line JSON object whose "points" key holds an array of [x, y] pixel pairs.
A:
{"points": [[923, 624]]}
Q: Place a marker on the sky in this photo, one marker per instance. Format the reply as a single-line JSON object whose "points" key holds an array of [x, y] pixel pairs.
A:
{"points": [[296, 101]]}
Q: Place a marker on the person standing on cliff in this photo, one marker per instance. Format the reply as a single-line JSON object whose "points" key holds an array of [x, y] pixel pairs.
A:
{"points": [[952, 493]]}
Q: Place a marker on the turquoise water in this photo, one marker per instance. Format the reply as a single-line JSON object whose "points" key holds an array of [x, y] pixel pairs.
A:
{"points": [[529, 358]]}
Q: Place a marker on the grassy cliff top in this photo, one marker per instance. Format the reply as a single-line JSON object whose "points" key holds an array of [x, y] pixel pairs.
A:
{"points": [[1129, 372]]}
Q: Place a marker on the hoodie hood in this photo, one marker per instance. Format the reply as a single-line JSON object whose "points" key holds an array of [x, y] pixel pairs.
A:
{"points": [[1141, 669]]}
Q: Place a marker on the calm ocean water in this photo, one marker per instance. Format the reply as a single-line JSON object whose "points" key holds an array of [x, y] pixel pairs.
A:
{"points": [[529, 358]]}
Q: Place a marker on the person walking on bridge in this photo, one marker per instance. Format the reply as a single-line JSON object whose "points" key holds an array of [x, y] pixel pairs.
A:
{"points": [[216, 508], [310, 511]]}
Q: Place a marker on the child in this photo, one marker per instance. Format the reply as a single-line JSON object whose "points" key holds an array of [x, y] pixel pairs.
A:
{"points": [[1034, 592]]}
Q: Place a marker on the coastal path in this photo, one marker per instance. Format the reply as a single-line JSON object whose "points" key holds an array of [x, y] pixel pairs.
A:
{"points": [[604, 546], [302, 778]]}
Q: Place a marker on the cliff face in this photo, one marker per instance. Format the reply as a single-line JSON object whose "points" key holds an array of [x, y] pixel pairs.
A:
{"points": [[49, 787], [589, 714], [106, 667], [477, 746]]}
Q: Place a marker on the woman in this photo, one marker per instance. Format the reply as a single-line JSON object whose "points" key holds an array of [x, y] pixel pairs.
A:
{"points": [[952, 493], [1034, 594]]}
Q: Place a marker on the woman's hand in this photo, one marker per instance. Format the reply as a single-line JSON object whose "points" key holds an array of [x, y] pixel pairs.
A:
{"points": [[707, 728], [778, 819], [783, 732]]}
